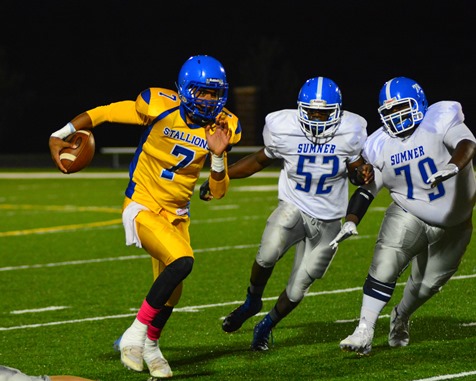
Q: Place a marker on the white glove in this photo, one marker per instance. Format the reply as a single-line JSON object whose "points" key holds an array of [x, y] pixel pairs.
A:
{"points": [[348, 229], [448, 171]]}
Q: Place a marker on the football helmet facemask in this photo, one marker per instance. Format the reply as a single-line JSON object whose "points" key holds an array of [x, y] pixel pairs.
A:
{"points": [[202, 88], [319, 106], [402, 105]]}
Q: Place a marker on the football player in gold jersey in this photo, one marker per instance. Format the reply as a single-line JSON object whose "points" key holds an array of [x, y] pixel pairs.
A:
{"points": [[183, 128]]}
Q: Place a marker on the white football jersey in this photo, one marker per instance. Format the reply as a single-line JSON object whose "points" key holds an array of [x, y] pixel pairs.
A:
{"points": [[403, 165], [12, 374], [314, 177]]}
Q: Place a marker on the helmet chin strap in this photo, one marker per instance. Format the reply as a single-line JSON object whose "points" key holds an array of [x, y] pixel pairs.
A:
{"points": [[197, 120]]}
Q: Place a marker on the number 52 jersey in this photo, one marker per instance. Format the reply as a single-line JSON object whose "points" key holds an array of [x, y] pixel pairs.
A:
{"points": [[314, 176]]}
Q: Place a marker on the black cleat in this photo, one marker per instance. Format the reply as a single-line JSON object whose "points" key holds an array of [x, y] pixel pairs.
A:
{"points": [[261, 334], [237, 317]]}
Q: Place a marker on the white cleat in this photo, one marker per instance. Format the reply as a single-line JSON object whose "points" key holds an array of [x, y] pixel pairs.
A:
{"points": [[132, 358], [131, 346], [155, 360], [399, 335], [360, 341], [160, 368]]}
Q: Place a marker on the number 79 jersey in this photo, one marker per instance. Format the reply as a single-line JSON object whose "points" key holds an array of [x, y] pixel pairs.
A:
{"points": [[403, 165], [314, 177]]}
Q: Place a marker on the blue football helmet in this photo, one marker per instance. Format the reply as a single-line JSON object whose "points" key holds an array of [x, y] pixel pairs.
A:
{"points": [[319, 106], [402, 104], [199, 75]]}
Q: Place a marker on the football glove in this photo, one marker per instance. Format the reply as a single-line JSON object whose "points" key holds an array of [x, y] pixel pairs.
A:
{"points": [[205, 194], [448, 171], [349, 228]]}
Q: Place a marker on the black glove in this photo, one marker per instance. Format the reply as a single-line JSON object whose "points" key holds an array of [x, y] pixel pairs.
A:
{"points": [[205, 194]]}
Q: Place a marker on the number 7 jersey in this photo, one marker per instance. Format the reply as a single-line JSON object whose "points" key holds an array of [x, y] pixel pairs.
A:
{"points": [[403, 166], [170, 154]]}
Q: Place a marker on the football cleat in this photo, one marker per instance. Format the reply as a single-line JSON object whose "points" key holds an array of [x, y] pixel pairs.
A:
{"points": [[360, 341], [261, 334], [131, 346], [155, 360], [132, 358], [399, 335], [237, 317]]}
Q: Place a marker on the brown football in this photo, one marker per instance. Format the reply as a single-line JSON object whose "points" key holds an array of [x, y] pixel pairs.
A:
{"points": [[76, 159]]}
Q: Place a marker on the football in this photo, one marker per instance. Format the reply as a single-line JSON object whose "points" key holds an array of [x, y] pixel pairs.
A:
{"points": [[76, 159]]}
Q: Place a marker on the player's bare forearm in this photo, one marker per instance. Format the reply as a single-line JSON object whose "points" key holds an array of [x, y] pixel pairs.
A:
{"points": [[249, 165], [464, 152], [82, 121]]}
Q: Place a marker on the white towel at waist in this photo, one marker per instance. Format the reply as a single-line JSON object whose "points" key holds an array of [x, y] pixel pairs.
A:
{"points": [[128, 219]]}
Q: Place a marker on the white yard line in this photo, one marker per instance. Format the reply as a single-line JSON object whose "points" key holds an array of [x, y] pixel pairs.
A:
{"points": [[181, 309], [103, 175], [449, 376]]}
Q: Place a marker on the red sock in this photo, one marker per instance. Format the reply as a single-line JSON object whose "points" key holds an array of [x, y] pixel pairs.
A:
{"points": [[146, 313], [153, 333]]}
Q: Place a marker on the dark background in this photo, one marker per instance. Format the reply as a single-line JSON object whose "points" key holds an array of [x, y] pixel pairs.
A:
{"points": [[60, 58]]}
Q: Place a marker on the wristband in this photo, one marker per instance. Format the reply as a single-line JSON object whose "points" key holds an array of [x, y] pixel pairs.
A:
{"points": [[218, 163], [359, 202], [64, 132]]}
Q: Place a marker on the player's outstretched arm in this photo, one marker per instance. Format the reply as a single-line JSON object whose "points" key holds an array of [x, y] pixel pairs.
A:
{"points": [[249, 165], [244, 167]]}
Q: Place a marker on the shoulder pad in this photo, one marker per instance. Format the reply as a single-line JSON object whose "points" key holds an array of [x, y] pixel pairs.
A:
{"points": [[445, 112], [155, 100]]}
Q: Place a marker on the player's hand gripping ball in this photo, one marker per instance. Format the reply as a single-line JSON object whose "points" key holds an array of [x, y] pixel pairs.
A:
{"points": [[76, 159]]}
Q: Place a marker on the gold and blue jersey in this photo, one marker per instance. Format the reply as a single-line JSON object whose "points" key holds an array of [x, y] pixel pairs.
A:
{"points": [[171, 153]]}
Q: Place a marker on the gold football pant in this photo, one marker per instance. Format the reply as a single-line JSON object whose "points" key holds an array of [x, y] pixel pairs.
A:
{"points": [[166, 238]]}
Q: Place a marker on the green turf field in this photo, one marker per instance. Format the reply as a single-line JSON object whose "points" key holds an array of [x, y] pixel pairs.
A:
{"points": [[69, 287]]}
